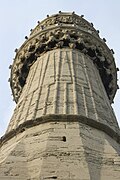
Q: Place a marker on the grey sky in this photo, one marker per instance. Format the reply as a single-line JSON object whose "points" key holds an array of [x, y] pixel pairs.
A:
{"points": [[17, 17]]}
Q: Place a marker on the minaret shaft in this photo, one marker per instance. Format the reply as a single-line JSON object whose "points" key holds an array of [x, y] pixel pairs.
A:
{"points": [[63, 80]]}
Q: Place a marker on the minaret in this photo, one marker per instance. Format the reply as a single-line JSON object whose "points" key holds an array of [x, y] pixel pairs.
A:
{"points": [[63, 80]]}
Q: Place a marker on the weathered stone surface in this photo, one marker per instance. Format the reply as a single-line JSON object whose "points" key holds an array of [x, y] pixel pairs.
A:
{"points": [[64, 81], [63, 127], [41, 152]]}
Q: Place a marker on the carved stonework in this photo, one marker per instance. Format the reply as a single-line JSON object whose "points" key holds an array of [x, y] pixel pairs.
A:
{"points": [[63, 79], [65, 19], [58, 36]]}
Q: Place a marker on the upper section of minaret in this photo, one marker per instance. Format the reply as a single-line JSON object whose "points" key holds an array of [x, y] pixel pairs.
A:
{"points": [[65, 19], [60, 31]]}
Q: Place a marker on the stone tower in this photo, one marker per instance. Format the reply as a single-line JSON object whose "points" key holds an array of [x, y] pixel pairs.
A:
{"points": [[63, 80]]}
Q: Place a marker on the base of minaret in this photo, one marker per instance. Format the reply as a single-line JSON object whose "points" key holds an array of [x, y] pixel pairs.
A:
{"points": [[60, 147]]}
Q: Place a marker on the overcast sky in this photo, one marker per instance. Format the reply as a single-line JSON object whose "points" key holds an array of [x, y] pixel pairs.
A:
{"points": [[17, 17]]}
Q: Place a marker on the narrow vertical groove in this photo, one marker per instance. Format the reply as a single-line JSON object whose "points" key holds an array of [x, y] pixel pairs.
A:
{"points": [[65, 99], [37, 100], [84, 100], [31, 79], [41, 80], [46, 100], [88, 80], [31, 97], [57, 83], [74, 85]]}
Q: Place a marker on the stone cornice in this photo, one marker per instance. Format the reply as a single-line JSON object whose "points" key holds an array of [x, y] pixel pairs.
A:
{"points": [[64, 18], [61, 118], [64, 35]]}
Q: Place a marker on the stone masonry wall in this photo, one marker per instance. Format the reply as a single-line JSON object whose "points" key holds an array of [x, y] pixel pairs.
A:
{"points": [[63, 81], [60, 150]]}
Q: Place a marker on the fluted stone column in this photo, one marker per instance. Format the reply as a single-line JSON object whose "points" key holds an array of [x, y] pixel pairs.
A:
{"points": [[63, 127]]}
